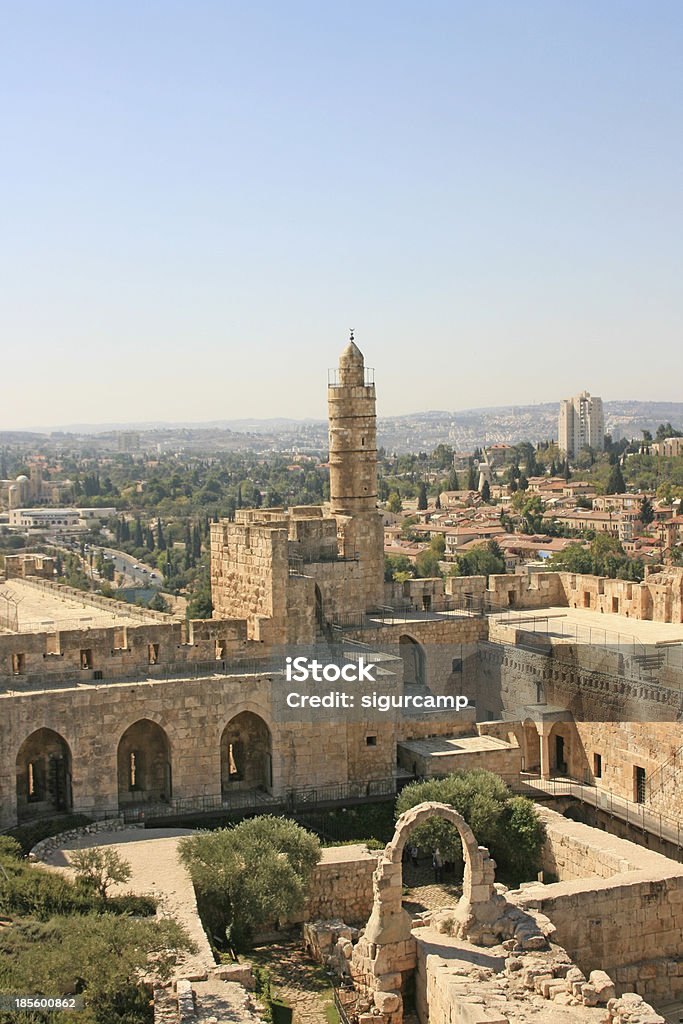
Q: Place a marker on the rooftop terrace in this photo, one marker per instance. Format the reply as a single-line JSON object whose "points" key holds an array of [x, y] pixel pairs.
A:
{"points": [[28, 606]]}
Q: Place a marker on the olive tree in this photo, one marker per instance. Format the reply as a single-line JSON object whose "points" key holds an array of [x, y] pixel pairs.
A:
{"points": [[251, 875]]}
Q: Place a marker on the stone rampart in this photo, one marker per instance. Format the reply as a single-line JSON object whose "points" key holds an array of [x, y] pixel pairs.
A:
{"points": [[624, 921]]}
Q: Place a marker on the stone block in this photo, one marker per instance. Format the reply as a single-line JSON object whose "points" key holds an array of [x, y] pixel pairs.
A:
{"points": [[589, 996], [603, 985], [387, 1002]]}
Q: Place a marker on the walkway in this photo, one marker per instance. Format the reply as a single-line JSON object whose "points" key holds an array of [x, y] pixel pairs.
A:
{"points": [[424, 894], [156, 871], [619, 807]]}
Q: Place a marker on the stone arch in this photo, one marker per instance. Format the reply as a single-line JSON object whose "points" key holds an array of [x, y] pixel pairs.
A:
{"points": [[43, 775], [388, 921], [246, 751], [143, 761], [386, 955], [414, 660], [531, 747]]}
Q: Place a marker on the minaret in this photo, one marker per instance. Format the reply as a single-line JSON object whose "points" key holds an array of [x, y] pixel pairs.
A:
{"points": [[353, 471]]}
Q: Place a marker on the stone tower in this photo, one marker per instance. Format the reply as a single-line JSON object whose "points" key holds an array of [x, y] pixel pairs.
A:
{"points": [[353, 472]]}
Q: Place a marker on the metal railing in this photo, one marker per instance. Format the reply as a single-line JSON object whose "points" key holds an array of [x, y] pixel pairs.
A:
{"points": [[252, 801], [632, 813], [656, 782], [340, 1006]]}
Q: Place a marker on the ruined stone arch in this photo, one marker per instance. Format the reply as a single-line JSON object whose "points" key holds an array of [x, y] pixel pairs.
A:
{"points": [[43, 767], [388, 921], [246, 753], [143, 761], [385, 955], [414, 660]]}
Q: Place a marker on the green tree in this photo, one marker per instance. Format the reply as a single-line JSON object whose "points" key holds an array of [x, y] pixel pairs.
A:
{"points": [[397, 565], [251, 875], [486, 492], [485, 559], [615, 481], [104, 955], [422, 497], [647, 512], [574, 558], [530, 509], [137, 533], [200, 605], [394, 504], [159, 604]]}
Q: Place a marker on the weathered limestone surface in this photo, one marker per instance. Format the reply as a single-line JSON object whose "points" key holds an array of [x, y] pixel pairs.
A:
{"points": [[618, 909]]}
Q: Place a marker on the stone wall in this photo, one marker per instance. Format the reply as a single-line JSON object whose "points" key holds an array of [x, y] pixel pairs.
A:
{"points": [[658, 598], [594, 683], [193, 713], [419, 759], [30, 661], [341, 885], [448, 648], [616, 921], [249, 570]]}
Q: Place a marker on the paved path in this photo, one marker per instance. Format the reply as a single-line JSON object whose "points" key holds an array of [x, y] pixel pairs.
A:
{"points": [[424, 894], [296, 980], [156, 871]]}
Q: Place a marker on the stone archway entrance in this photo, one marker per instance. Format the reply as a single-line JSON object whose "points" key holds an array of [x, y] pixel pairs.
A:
{"points": [[246, 754], [531, 748], [385, 957], [43, 775], [413, 656], [144, 764]]}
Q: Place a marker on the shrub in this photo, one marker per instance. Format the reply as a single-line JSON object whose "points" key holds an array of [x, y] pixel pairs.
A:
{"points": [[250, 875], [508, 826], [101, 956], [98, 868], [28, 890], [9, 848]]}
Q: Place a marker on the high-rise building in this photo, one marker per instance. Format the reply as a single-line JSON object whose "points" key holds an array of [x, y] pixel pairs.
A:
{"points": [[581, 424]]}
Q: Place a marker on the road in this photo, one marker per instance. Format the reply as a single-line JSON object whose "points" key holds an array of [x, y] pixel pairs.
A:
{"points": [[126, 565]]}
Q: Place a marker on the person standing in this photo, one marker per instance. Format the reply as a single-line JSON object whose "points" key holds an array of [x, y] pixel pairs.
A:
{"points": [[437, 864]]}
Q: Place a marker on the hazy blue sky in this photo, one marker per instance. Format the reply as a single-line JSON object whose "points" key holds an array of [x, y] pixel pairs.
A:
{"points": [[198, 199]]}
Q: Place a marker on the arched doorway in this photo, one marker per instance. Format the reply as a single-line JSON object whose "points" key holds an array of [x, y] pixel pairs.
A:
{"points": [[413, 656], [531, 748], [43, 775], [144, 764], [246, 754], [560, 748]]}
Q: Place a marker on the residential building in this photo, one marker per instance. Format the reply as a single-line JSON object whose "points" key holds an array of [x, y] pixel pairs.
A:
{"points": [[581, 424]]}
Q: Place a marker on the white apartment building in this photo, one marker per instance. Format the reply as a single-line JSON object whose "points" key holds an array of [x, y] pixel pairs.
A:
{"points": [[581, 424]]}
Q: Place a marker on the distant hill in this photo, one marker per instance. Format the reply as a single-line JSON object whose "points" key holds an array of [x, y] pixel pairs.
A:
{"points": [[464, 429]]}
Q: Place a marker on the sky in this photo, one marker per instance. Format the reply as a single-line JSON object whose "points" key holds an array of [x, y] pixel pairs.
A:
{"points": [[198, 200]]}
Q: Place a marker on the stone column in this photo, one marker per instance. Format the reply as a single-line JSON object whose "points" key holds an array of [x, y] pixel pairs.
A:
{"points": [[544, 734]]}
